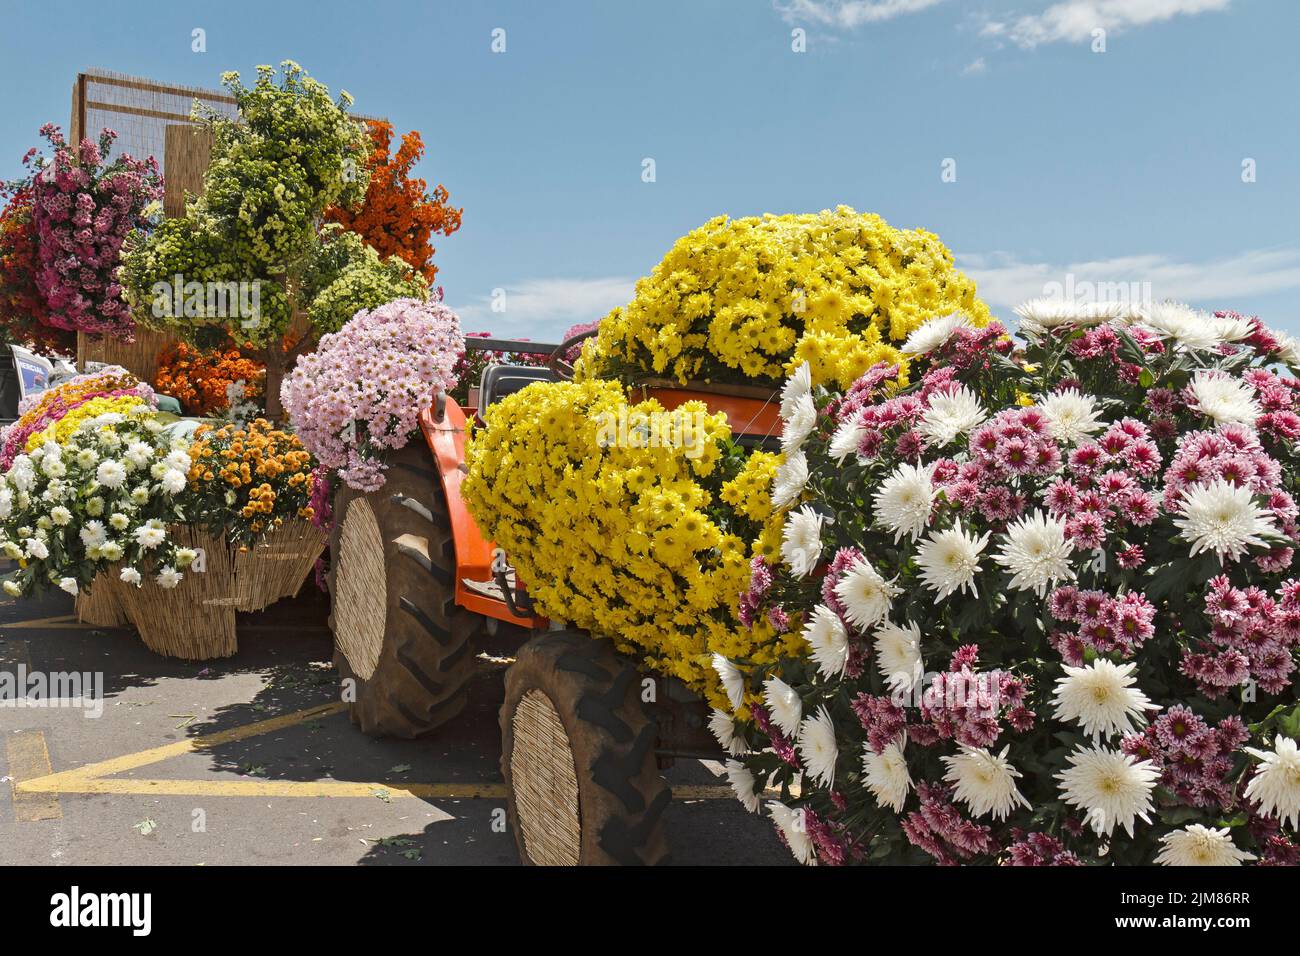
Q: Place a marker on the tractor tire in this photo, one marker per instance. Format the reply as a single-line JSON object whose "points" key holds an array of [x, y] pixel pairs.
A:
{"points": [[398, 633], [578, 757]]}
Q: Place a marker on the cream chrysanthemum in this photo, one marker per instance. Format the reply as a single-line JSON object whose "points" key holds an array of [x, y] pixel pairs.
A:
{"points": [[800, 424], [801, 541], [733, 682], [949, 560], [1071, 415], [866, 596], [1037, 552], [1221, 517], [1276, 783], [885, 774], [791, 479], [723, 727], [1100, 697], [817, 747], [1111, 787], [951, 413], [1181, 324], [905, 500], [928, 336], [1223, 398], [792, 826], [985, 782], [846, 440], [898, 655], [1199, 845], [783, 704], [825, 634], [796, 387], [743, 785]]}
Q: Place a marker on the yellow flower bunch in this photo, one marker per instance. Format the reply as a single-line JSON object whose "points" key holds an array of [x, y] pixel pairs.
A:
{"points": [[64, 428], [615, 531], [748, 300], [750, 492]]}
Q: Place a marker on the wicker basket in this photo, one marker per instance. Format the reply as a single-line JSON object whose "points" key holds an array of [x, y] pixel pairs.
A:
{"points": [[196, 619], [277, 564], [100, 602]]}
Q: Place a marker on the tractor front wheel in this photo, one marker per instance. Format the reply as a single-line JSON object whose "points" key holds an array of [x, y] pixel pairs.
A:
{"points": [[400, 639], [578, 756]]}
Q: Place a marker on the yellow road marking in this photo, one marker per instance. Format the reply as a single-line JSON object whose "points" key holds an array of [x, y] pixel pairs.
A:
{"points": [[30, 759], [61, 622], [94, 777]]}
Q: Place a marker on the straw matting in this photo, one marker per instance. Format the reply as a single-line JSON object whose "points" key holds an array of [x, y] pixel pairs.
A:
{"points": [[360, 590], [545, 783], [196, 619], [277, 564], [100, 602]]}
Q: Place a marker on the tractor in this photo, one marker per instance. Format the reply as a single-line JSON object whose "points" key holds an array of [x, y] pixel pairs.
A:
{"points": [[415, 588]]}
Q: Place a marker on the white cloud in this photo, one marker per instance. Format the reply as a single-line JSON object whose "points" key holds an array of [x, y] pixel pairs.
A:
{"points": [[1004, 281], [1072, 21], [544, 308], [850, 13], [975, 67]]}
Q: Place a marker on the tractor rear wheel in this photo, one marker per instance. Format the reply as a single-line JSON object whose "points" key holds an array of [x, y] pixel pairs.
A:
{"points": [[398, 634], [578, 756]]}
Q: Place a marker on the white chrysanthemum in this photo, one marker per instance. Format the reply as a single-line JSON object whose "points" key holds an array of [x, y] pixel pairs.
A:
{"points": [[1224, 399], [951, 413], [118, 521], [783, 704], [1288, 350], [12, 588], [743, 785], [898, 655], [723, 726], [178, 460], [985, 782], [1223, 518], [733, 682], [930, 335], [111, 473], [93, 534], [904, 501], [797, 385], [129, 576], [825, 634], [36, 548], [1043, 313], [173, 481], [886, 775], [791, 479], [1037, 552], [1101, 698], [817, 747], [69, 585], [111, 551], [1276, 783], [168, 578], [791, 824], [52, 466], [801, 541], [1231, 328], [1111, 787], [866, 596], [138, 453], [1181, 324], [802, 420], [846, 440], [949, 560], [1071, 416], [1199, 845], [60, 515], [86, 458], [151, 534]]}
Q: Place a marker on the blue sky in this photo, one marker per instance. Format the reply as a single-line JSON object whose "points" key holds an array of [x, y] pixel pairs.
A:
{"points": [[1115, 166]]}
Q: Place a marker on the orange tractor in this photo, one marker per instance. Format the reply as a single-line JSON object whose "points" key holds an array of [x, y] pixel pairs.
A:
{"points": [[415, 588]]}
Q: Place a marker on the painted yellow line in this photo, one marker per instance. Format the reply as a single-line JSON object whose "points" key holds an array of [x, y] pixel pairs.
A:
{"points": [[30, 759], [264, 788], [62, 622]]}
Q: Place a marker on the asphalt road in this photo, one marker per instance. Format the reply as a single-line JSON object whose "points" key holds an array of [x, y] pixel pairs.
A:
{"points": [[133, 792]]}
